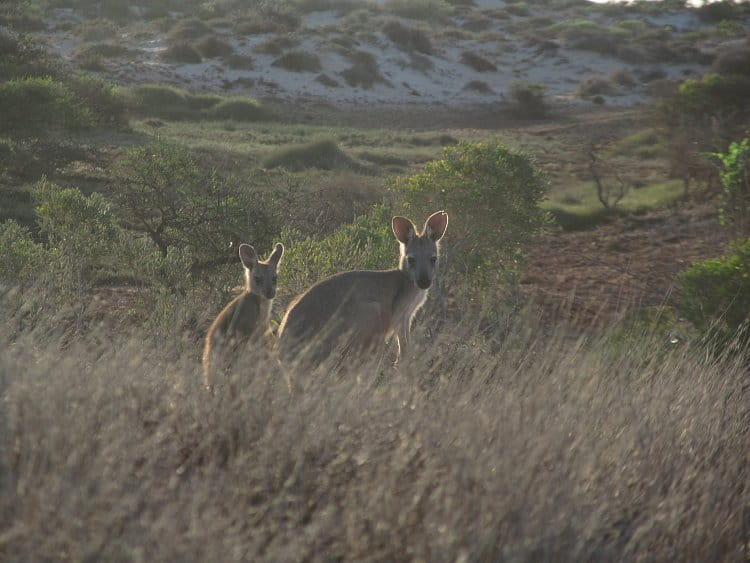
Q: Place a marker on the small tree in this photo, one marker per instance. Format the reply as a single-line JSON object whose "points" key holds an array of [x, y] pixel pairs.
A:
{"points": [[609, 194], [163, 191]]}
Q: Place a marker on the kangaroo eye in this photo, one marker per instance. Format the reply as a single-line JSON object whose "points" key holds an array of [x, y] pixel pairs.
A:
{"points": [[433, 259], [259, 279], [411, 260]]}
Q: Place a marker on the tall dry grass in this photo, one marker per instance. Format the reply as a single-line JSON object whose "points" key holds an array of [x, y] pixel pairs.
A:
{"points": [[530, 446]]}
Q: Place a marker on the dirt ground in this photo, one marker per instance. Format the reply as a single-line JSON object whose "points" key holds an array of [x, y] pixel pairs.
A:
{"points": [[632, 262]]}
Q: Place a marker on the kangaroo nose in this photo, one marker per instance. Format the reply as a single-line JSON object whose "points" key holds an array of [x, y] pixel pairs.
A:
{"points": [[423, 283]]}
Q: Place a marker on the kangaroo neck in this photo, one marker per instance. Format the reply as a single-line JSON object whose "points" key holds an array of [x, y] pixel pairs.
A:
{"points": [[407, 287]]}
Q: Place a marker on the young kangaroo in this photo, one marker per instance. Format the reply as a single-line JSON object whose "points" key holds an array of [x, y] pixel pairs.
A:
{"points": [[247, 316], [359, 310]]}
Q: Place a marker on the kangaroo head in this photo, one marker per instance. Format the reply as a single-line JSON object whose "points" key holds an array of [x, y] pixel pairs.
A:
{"points": [[419, 251], [260, 276]]}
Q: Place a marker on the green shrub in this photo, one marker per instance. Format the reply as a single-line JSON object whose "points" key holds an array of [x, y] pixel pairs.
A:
{"points": [[21, 258], [407, 38], [276, 45], [364, 71], [494, 190], [529, 97], [478, 86], [365, 243], [734, 172], [156, 100], [240, 62], [22, 57], [322, 154], [240, 109], [92, 63], [188, 29], [299, 61], [715, 294], [96, 30], [698, 100], [104, 50], [163, 191], [211, 47], [595, 85], [735, 60], [477, 62], [81, 231], [105, 100], [33, 105], [181, 53]]}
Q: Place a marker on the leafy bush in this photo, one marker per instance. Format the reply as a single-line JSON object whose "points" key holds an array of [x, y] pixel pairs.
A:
{"points": [[240, 62], [494, 190], [104, 50], [181, 53], [96, 30], [168, 102], [298, 61], [188, 29], [715, 294], [21, 258], [477, 62], [529, 97], [735, 60], [276, 45], [698, 100], [106, 101], [407, 38], [365, 243], [165, 192], [22, 57], [33, 105], [211, 47], [323, 154], [734, 172], [80, 230], [364, 71], [594, 85]]}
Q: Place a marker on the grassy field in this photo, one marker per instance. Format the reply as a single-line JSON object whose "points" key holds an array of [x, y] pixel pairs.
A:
{"points": [[522, 445], [548, 411]]}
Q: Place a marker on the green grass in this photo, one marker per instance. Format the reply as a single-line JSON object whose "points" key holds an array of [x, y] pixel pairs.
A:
{"points": [[643, 144], [578, 207]]}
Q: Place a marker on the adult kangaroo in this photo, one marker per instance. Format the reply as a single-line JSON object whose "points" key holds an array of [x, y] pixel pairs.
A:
{"points": [[356, 311]]}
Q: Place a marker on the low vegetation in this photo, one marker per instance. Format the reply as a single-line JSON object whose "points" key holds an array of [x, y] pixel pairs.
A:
{"points": [[323, 154]]}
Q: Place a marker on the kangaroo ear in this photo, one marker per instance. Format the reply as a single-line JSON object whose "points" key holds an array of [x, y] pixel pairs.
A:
{"points": [[248, 256], [435, 225], [403, 229], [278, 251]]}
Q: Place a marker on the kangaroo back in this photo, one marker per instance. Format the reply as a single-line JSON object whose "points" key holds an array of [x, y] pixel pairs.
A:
{"points": [[246, 319], [355, 312]]}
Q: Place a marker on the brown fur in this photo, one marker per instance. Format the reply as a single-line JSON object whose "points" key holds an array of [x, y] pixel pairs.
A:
{"points": [[246, 319], [357, 311]]}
